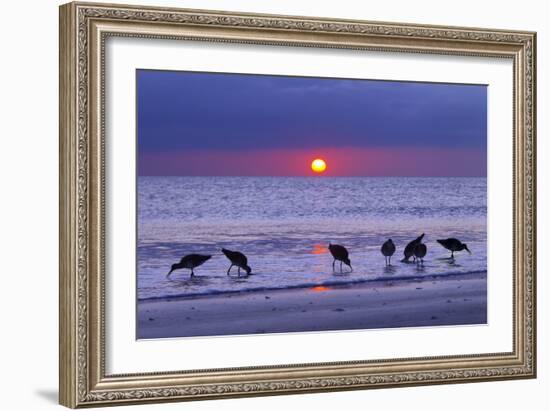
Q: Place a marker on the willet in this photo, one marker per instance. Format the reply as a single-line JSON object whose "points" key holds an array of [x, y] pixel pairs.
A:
{"points": [[408, 252], [239, 259], [190, 261], [453, 245], [339, 253], [388, 249], [420, 252]]}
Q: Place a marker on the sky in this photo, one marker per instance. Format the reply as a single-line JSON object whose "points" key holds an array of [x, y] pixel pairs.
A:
{"points": [[210, 124]]}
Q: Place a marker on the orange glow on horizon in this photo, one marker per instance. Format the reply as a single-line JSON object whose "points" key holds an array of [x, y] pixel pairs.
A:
{"points": [[320, 289], [318, 165]]}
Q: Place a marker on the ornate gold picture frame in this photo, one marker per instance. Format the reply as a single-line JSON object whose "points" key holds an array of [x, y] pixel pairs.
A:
{"points": [[84, 30]]}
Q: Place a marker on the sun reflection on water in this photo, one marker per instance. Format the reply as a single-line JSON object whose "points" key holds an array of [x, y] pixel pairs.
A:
{"points": [[319, 249]]}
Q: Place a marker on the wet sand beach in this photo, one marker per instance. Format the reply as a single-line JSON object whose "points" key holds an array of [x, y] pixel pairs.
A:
{"points": [[457, 300]]}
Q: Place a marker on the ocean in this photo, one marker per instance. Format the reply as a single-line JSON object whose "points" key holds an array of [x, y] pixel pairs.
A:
{"points": [[284, 226]]}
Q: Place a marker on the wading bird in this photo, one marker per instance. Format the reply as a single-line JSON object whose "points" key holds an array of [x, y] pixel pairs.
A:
{"points": [[453, 245], [420, 252], [408, 252], [190, 261], [388, 249], [339, 253], [239, 259]]}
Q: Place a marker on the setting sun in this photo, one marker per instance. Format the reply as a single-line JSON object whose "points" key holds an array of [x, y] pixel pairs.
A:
{"points": [[318, 165]]}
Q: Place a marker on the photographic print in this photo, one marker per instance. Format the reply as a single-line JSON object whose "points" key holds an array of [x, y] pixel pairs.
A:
{"points": [[277, 204], [338, 204]]}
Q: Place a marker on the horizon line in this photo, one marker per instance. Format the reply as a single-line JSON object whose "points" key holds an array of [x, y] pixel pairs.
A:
{"points": [[304, 176]]}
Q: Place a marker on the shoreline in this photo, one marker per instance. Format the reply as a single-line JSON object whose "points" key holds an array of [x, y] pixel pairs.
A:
{"points": [[332, 284], [459, 299]]}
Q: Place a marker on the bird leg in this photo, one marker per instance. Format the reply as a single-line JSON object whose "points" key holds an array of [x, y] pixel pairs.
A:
{"points": [[341, 271], [228, 271], [192, 273], [389, 260], [334, 262], [239, 271]]}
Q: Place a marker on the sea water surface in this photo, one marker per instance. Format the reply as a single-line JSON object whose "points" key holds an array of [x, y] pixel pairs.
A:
{"points": [[284, 225]]}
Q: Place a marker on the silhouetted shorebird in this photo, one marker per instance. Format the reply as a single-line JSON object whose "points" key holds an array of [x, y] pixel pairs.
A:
{"points": [[339, 253], [190, 261], [388, 248], [420, 252], [409, 249], [238, 259], [453, 245]]}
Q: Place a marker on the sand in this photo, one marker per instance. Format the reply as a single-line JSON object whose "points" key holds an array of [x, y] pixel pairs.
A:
{"points": [[384, 304]]}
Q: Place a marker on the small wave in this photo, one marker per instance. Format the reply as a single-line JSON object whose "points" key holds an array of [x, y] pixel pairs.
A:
{"points": [[327, 283]]}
